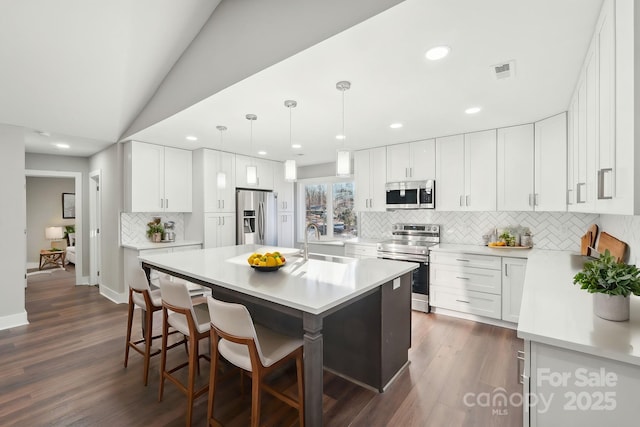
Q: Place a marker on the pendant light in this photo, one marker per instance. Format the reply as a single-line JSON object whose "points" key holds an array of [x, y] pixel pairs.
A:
{"points": [[343, 162], [252, 169], [290, 170], [221, 177]]}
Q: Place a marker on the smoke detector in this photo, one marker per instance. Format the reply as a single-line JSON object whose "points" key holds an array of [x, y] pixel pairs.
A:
{"points": [[505, 70]]}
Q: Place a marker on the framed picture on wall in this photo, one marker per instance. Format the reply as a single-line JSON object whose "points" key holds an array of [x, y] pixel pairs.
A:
{"points": [[68, 205]]}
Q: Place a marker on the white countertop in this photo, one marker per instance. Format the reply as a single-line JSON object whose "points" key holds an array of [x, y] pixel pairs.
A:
{"points": [[558, 313], [151, 245], [484, 250], [364, 241], [313, 286]]}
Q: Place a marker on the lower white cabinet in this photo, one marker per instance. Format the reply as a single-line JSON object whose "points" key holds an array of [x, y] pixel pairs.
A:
{"points": [[219, 230], [360, 250], [513, 270], [285, 229]]}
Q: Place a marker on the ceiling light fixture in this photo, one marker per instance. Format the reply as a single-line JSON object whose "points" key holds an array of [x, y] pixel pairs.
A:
{"points": [[262, 153], [252, 169], [473, 110], [221, 177], [192, 138], [395, 125], [438, 52], [290, 169], [343, 161], [62, 146]]}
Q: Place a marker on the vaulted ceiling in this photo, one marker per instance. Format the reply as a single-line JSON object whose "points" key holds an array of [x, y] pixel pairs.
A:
{"points": [[90, 73]]}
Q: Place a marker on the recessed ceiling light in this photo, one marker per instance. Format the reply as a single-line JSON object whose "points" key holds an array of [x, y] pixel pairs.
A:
{"points": [[262, 153], [62, 146], [340, 137], [192, 138], [437, 52], [473, 110], [296, 146], [395, 125]]}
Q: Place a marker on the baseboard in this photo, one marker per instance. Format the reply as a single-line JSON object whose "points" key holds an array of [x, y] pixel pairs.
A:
{"points": [[481, 319], [14, 320], [31, 265], [110, 294], [84, 280]]}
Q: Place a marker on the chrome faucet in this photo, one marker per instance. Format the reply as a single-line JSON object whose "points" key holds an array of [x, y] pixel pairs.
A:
{"points": [[306, 238]]}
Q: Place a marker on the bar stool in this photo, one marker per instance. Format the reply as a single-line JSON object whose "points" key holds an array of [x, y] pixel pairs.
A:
{"points": [[150, 301], [252, 348], [193, 322]]}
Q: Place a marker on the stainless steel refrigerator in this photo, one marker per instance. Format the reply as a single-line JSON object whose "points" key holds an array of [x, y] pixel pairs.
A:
{"points": [[256, 217]]}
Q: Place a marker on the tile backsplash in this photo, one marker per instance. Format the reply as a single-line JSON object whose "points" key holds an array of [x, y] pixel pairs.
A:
{"points": [[133, 226], [627, 229], [551, 230]]}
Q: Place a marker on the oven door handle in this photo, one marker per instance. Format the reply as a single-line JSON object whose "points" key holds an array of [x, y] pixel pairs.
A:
{"points": [[403, 258]]}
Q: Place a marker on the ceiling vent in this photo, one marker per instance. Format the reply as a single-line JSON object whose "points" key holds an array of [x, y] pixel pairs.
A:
{"points": [[505, 70]]}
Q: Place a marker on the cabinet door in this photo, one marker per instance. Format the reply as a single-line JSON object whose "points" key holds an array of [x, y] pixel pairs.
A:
{"points": [[177, 180], [572, 152], [225, 183], [398, 162], [361, 173], [265, 174], [450, 173], [513, 270], [550, 164], [480, 171], [423, 160], [227, 230], [212, 224], [515, 168], [147, 177], [283, 188], [285, 229], [377, 192], [241, 171]]}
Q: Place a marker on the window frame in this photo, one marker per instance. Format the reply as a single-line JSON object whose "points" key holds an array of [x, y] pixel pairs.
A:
{"points": [[300, 193]]}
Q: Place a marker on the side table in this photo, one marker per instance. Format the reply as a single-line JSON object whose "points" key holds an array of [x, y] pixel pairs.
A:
{"points": [[52, 259]]}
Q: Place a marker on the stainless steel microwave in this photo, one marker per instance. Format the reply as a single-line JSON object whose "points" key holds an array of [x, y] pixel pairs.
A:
{"points": [[411, 195]]}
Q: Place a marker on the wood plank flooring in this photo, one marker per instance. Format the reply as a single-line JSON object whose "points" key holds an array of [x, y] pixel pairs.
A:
{"points": [[66, 369]]}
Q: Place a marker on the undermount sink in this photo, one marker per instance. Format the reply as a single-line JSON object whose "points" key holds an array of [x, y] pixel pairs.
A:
{"points": [[323, 257]]}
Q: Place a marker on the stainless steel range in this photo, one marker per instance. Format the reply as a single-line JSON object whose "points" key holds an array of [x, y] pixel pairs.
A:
{"points": [[411, 242]]}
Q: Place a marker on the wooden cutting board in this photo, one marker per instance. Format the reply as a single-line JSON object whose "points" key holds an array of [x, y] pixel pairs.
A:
{"points": [[593, 229], [584, 244], [616, 247]]}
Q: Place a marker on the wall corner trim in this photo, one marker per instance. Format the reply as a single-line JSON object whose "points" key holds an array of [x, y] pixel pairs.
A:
{"points": [[113, 296]]}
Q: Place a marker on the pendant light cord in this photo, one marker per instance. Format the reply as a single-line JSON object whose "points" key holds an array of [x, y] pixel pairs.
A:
{"points": [[344, 137]]}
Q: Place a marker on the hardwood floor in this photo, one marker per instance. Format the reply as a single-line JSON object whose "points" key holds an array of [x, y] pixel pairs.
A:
{"points": [[66, 368]]}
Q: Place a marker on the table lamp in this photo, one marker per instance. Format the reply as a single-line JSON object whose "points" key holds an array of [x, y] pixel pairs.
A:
{"points": [[54, 234]]}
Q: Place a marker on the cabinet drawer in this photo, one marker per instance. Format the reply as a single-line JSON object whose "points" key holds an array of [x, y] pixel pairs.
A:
{"points": [[471, 302], [466, 278], [361, 251], [467, 260]]}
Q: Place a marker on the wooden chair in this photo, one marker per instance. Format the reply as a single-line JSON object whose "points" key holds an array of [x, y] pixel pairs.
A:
{"points": [[193, 322], [252, 348], [150, 301]]}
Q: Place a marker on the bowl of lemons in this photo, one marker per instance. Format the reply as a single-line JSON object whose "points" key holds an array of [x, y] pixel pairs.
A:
{"points": [[270, 261]]}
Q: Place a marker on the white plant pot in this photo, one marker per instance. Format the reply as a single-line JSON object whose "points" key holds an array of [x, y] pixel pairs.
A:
{"points": [[611, 307]]}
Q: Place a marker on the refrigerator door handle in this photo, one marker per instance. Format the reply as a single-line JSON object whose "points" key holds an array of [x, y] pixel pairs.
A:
{"points": [[261, 222]]}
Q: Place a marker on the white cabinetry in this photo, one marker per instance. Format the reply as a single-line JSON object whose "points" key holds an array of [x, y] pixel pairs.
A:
{"points": [[286, 228], [219, 230], [265, 172], [284, 189], [513, 270], [550, 176], [413, 161], [466, 172], [369, 178], [158, 179], [218, 184], [515, 168], [360, 250]]}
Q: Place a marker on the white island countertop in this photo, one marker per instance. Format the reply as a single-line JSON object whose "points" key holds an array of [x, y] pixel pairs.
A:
{"points": [[314, 286], [556, 312], [162, 245]]}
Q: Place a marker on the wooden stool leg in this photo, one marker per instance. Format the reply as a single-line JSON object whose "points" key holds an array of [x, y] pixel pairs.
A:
{"points": [[163, 351], [129, 325], [147, 344], [212, 379], [193, 360], [255, 399]]}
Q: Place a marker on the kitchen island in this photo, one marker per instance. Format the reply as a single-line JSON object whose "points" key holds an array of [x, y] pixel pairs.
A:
{"points": [[354, 314]]}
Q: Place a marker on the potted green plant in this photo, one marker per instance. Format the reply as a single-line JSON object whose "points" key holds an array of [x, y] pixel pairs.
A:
{"points": [[155, 230], [612, 282]]}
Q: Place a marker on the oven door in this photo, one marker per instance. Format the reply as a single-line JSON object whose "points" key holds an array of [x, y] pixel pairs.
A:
{"points": [[419, 281]]}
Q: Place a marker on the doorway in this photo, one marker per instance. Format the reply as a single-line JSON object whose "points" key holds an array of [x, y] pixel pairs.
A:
{"points": [[95, 202], [77, 176]]}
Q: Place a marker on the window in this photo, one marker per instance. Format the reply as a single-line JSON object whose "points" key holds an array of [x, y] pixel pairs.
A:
{"points": [[329, 205]]}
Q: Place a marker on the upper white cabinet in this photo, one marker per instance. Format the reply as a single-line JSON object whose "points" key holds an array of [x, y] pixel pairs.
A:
{"points": [[515, 168], [466, 172], [158, 179], [284, 189], [550, 176], [218, 182], [265, 172], [369, 178], [414, 161]]}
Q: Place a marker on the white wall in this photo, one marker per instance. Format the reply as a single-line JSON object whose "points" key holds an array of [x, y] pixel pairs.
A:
{"points": [[110, 161], [12, 226], [44, 209]]}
